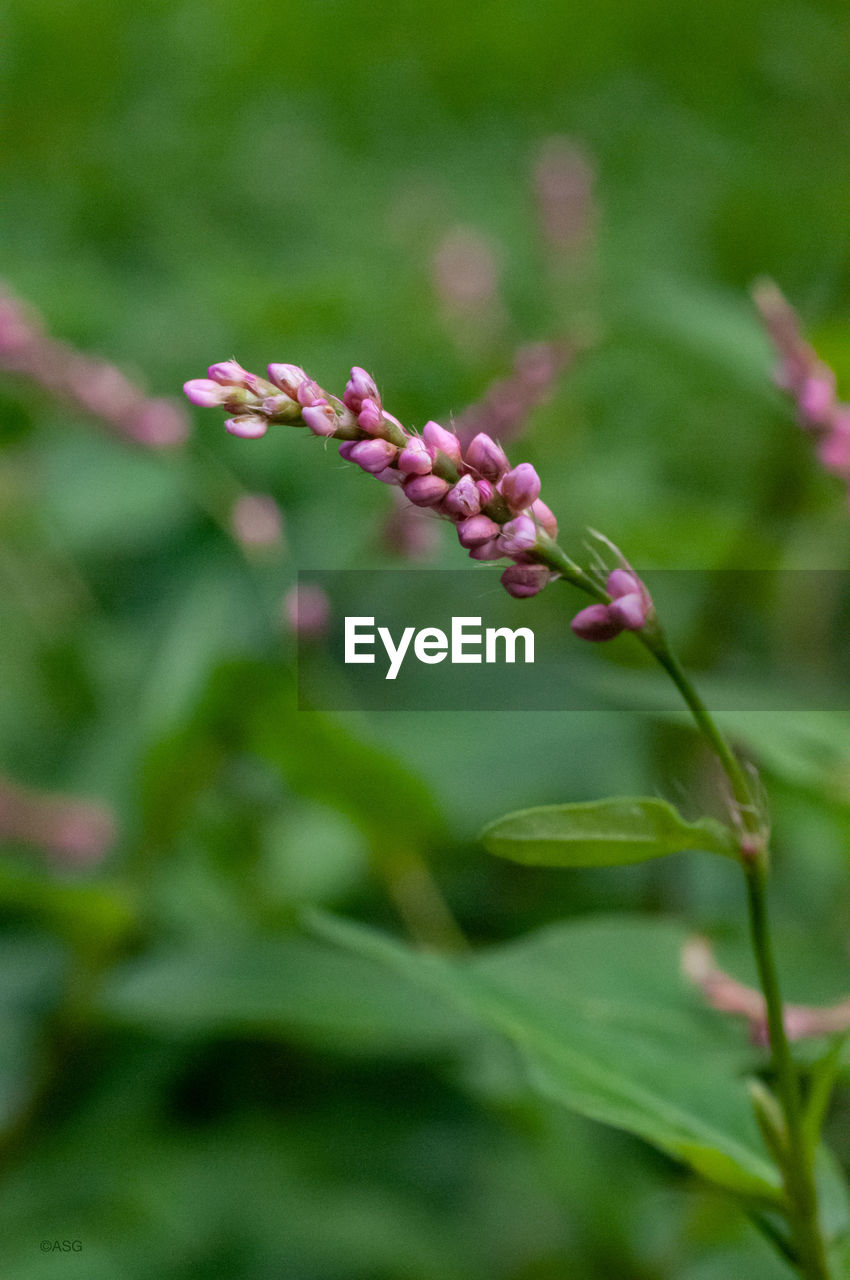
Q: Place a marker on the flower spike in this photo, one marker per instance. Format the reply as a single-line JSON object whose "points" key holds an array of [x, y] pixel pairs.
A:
{"points": [[496, 509]]}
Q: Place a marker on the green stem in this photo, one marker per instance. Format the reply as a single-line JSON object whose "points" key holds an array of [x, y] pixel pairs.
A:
{"points": [[740, 784], [549, 553], [419, 900], [799, 1171], [798, 1168]]}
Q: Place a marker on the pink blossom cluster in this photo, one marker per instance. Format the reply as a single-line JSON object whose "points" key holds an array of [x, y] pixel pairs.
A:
{"points": [[509, 402], [496, 508], [92, 385], [809, 382], [72, 831], [628, 608]]}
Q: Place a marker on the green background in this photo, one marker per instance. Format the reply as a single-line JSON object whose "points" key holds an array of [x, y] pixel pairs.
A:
{"points": [[186, 182]]}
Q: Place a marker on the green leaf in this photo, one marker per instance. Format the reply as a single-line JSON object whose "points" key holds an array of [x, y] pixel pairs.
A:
{"points": [[252, 707], [608, 1028], [833, 1197], [292, 988], [32, 974], [602, 833]]}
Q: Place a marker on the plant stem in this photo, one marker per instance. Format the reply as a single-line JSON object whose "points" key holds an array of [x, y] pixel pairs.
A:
{"points": [[419, 901], [797, 1166], [798, 1171], [740, 784]]}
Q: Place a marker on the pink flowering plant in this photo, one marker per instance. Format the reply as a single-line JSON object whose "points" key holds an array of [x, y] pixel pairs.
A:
{"points": [[770, 1156]]}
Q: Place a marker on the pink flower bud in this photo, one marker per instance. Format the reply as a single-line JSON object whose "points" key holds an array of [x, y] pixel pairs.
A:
{"points": [[256, 521], [204, 392], [834, 447], [426, 491], [77, 833], [463, 499], [524, 580], [320, 418], [231, 374], [415, 458], [629, 611], [161, 424], [360, 386], [104, 390], [622, 583], [437, 437], [486, 457], [249, 427], [389, 475], [307, 611], [596, 623], [544, 518], [309, 393], [517, 536], [373, 455], [486, 491], [476, 530], [370, 418], [18, 329], [520, 487], [487, 551], [816, 398], [288, 377], [346, 447]]}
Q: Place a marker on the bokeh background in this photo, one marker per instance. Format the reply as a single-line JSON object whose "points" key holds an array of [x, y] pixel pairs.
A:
{"points": [[570, 202]]}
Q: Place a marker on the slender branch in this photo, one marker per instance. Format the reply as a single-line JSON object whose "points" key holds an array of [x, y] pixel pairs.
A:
{"points": [[798, 1169], [738, 780], [822, 1084], [420, 901]]}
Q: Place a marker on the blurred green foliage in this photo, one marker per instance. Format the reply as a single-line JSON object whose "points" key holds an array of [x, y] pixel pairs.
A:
{"points": [[195, 1079]]}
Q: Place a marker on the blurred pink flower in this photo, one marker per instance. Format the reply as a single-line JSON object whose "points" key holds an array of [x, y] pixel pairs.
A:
{"points": [[807, 380], [256, 521], [409, 531], [465, 274], [563, 184], [307, 611], [93, 386], [508, 403], [727, 995], [71, 831]]}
